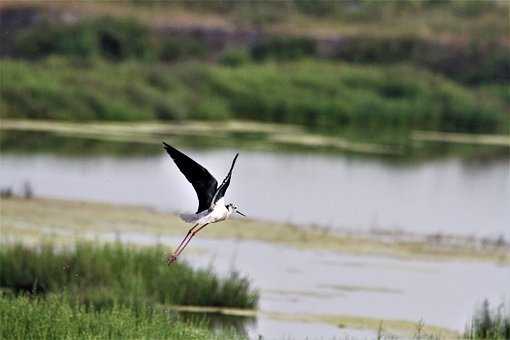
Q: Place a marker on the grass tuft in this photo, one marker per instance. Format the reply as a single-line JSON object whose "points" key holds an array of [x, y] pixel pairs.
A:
{"points": [[489, 323], [103, 276]]}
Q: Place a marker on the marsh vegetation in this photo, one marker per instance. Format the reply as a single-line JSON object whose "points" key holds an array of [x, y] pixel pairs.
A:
{"points": [[489, 322], [114, 274], [316, 94], [60, 316], [89, 291]]}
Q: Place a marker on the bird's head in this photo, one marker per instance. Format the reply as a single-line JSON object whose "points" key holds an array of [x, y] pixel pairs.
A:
{"points": [[232, 208]]}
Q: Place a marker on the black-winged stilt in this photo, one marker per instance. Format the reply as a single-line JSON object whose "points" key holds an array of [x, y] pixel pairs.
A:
{"points": [[211, 204]]}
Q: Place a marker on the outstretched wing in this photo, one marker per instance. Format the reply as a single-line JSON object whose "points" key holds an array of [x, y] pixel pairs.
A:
{"points": [[226, 182], [203, 182]]}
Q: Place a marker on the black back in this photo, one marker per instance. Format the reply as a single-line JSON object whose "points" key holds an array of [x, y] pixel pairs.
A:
{"points": [[226, 182], [203, 182]]}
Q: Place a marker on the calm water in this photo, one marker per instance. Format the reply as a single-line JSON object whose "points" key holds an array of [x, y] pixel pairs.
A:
{"points": [[319, 282], [301, 282], [448, 196]]}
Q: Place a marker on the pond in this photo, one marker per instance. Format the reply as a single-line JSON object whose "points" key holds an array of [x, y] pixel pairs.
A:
{"points": [[329, 190]]}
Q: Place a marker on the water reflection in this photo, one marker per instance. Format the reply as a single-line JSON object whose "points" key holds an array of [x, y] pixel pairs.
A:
{"points": [[21, 142], [216, 321]]}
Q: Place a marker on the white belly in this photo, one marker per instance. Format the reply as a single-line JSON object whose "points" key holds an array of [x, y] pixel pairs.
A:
{"points": [[219, 213]]}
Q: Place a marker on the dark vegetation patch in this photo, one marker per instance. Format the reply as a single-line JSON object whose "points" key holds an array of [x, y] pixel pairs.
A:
{"points": [[474, 62], [105, 37], [114, 39]]}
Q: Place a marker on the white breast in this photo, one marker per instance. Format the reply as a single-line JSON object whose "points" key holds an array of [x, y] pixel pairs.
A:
{"points": [[219, 213]]}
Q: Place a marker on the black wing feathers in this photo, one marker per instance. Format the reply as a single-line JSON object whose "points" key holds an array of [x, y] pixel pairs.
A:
{"points": [[203, 182], [226, 182]]}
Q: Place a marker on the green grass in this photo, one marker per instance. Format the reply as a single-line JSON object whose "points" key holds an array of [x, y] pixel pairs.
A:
{"points": [[324, 96], [58, 317], [502, 91], [489, 323], [114, 274]]}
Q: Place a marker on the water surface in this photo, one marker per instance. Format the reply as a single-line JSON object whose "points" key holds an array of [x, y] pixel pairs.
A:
{"points": [[335, 191], [297, 282]]}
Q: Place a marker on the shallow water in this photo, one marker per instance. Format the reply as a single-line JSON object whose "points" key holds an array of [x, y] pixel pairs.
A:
{"points": [[301, 282], [448, 196], [311, 282]]}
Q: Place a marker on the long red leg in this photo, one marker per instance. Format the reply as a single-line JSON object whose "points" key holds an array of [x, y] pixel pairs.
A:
{"points": [[192, 235], [173, 257]]}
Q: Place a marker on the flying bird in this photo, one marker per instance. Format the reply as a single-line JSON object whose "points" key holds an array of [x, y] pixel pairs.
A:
{"points": [[211, 204]]}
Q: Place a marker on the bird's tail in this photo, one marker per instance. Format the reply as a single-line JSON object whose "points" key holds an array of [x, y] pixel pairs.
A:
{"points": [[189, 218]]}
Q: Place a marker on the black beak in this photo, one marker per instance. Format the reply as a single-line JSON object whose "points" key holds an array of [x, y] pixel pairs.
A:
{"points": [[240, 213]]}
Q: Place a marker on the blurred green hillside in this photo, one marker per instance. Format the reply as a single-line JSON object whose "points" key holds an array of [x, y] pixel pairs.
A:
{"points": [[399, 65]]}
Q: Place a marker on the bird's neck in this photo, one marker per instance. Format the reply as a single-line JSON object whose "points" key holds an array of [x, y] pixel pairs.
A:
{"points": [[229, 212]]}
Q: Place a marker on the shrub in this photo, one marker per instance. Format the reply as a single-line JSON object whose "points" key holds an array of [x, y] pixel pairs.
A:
{"points": [[211, 108], [479, 61], [235, 57], [115, 39], [283, 48]]}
